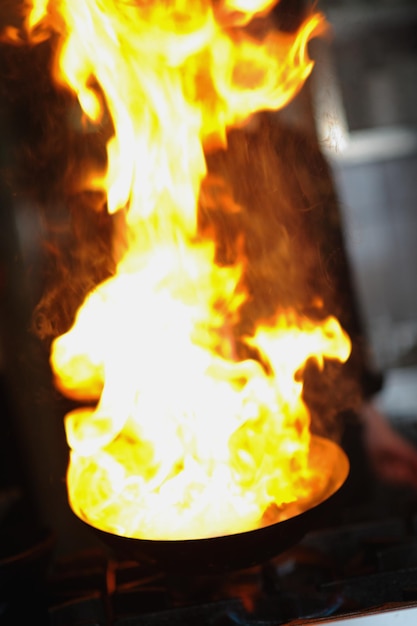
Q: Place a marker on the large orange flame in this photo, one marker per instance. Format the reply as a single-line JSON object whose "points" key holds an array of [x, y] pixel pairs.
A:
{"points": [[184, 441]]}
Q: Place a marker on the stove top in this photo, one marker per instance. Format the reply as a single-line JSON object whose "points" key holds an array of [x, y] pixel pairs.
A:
{"points": [[358, 574], [385, 616]]}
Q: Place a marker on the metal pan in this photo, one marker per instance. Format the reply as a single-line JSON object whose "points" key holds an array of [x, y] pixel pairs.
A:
{"points": [[242, 550]]}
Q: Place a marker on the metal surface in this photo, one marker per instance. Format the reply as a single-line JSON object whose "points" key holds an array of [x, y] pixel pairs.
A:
{"points": [[385, 616]]}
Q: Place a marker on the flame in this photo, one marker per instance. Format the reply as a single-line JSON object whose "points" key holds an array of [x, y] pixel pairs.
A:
{"points": [[179, 438]]}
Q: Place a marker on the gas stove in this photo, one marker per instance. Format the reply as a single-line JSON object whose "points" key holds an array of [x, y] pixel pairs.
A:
{"points": [[351, 573]]}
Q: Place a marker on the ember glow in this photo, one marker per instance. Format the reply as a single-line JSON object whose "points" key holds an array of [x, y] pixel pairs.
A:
{"points": [[180, 439]]}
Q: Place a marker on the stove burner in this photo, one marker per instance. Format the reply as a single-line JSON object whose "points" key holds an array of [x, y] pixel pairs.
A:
{"points": [[348, 567], [330, 573]]}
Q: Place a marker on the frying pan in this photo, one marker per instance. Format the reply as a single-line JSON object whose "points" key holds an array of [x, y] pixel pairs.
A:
{"points": [[246, 549]]}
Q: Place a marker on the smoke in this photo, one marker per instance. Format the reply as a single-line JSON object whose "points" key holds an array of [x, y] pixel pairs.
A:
{"points": [[52, 153], [288, 230]]}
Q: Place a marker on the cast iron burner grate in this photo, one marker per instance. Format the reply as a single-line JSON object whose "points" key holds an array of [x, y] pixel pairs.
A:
{"points": [[348, 568], [331, 572]]}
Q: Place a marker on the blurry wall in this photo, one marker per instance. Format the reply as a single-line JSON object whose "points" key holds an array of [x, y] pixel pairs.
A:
{"points": [[365, 93]]}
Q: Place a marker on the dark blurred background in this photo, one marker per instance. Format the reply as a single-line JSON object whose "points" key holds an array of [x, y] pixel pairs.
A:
{"points": [[364, 96]]}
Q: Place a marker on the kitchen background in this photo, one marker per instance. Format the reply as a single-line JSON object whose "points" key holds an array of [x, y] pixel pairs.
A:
{"points": [[363, 96]]}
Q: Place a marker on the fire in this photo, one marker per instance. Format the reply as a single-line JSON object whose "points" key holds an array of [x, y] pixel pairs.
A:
{"points": [[179, 438]]}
